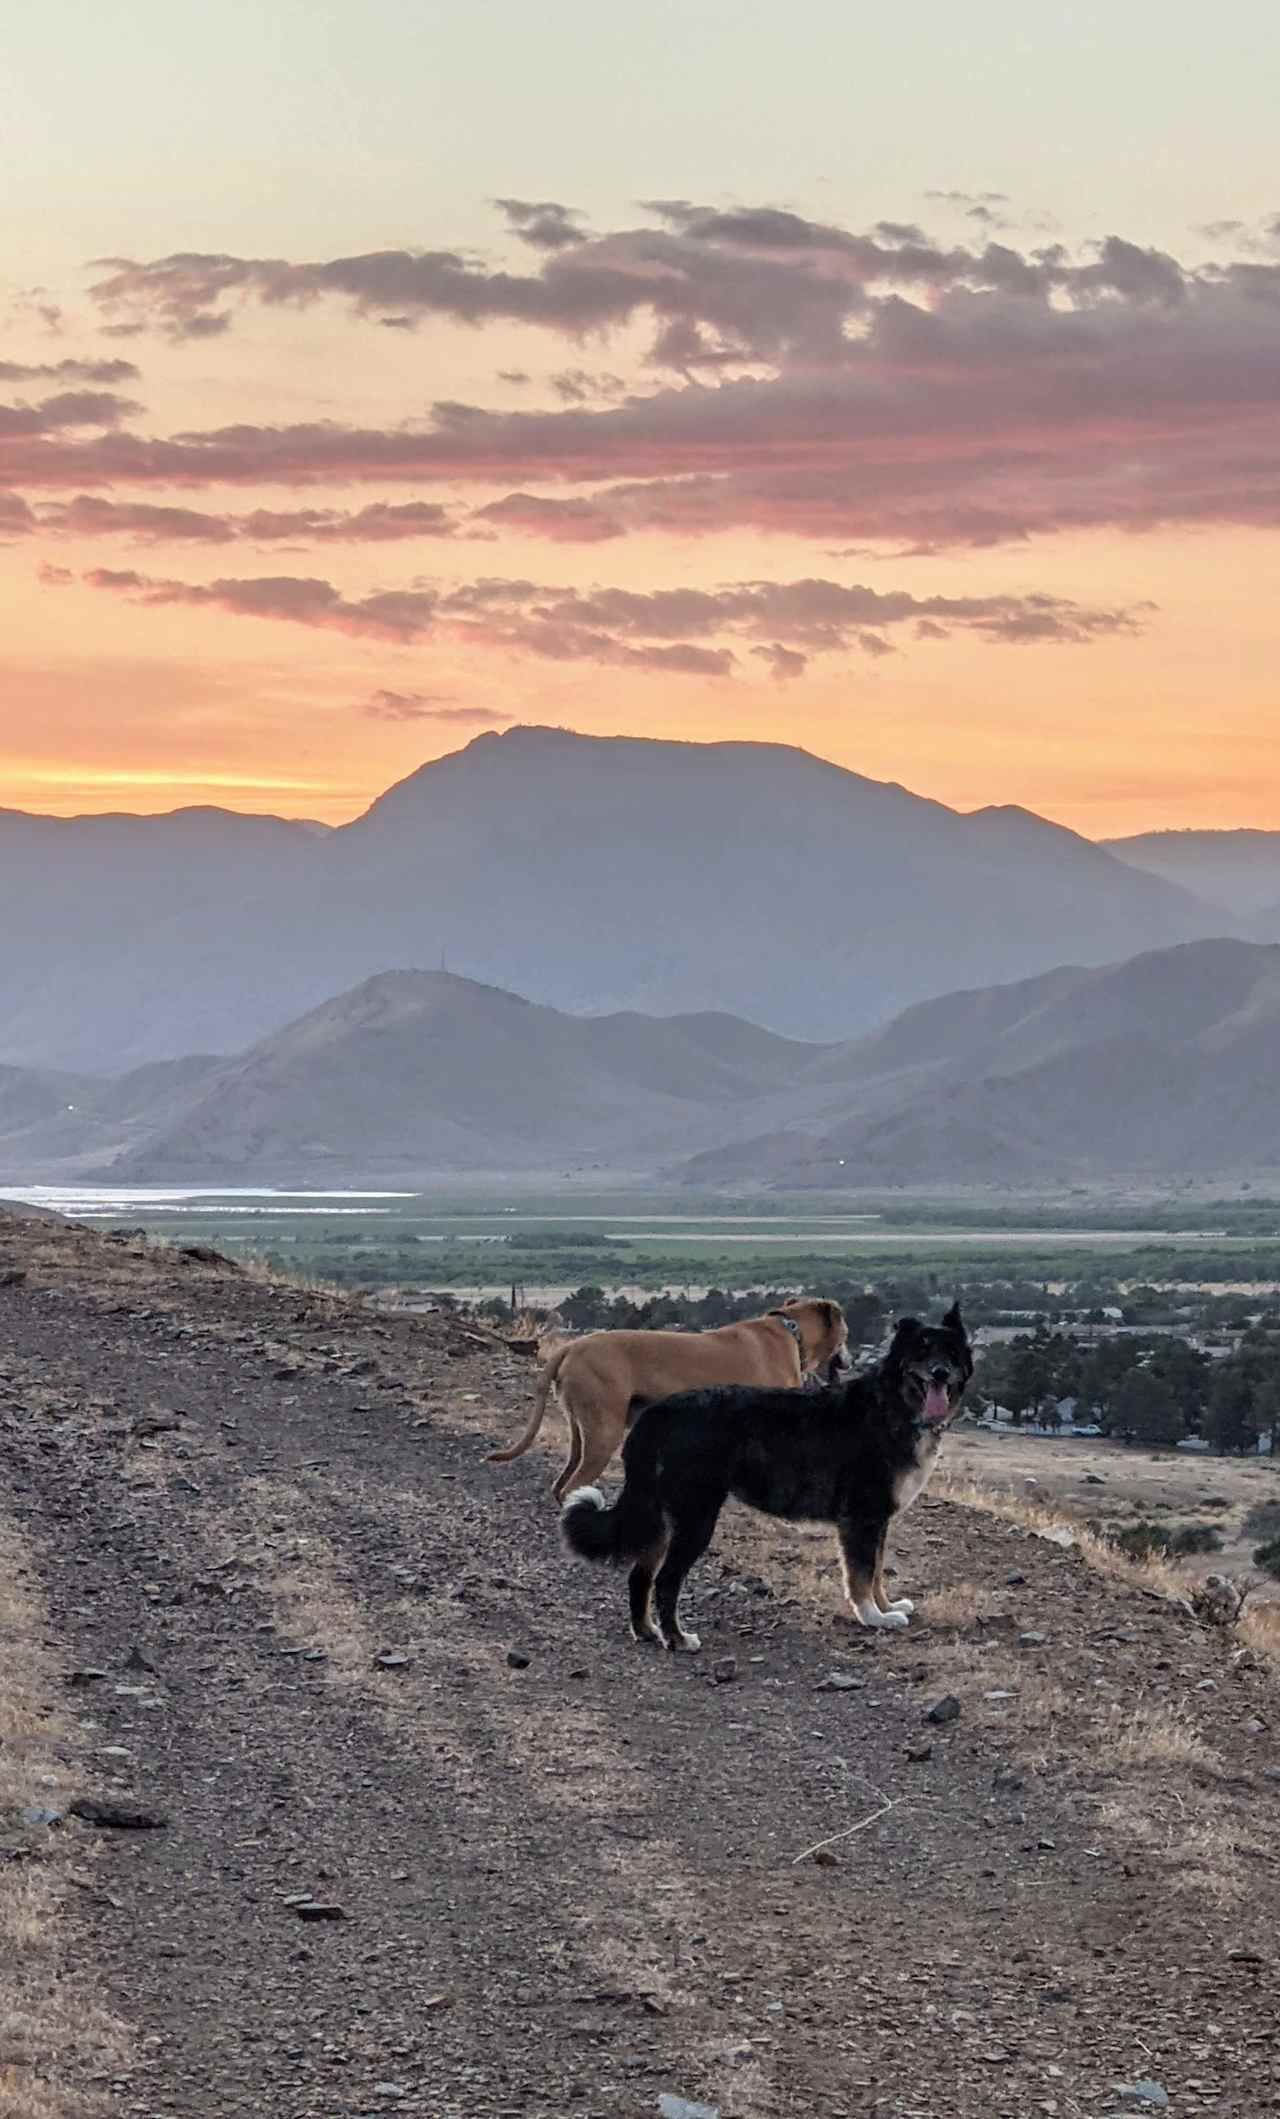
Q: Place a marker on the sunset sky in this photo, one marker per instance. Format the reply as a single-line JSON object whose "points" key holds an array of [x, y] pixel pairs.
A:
{"points": [[907, 388]]}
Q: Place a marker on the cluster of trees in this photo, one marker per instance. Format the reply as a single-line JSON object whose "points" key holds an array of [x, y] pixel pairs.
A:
{"points": [[1142, 1389], [591, 1309]]}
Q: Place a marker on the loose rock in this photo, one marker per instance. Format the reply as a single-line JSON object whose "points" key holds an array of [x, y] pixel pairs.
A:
{"points": [[123, 1817]]}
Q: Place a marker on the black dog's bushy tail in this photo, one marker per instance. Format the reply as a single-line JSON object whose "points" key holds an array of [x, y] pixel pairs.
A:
{"points": [[597, 1532]]}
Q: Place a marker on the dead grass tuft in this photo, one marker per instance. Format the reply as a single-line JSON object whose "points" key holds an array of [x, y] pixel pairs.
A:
{"points": [[1259, 1629], [960, 1604], [1155, 1734], [1197, 1853]]}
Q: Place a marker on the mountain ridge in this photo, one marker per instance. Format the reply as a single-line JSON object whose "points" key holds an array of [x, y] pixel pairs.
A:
{"points": [[1162, 1065], [596, 873]]}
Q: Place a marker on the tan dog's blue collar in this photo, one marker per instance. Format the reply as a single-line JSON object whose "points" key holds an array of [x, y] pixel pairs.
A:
{"points": [[791, 1326]]}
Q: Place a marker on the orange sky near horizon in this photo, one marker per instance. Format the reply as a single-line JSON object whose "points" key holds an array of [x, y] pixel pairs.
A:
{"points": [[960, 488], [115, 709]]}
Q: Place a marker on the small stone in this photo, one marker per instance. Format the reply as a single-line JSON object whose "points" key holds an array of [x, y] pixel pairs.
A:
{"points": [[947, 1709], [392, 1659], [86, 1677], [918, 1753], [1015, 1580], [316, 1909], [841, 1681], [825, 1859], [390, 2089], [1094, 1479], [1255, 1726], [39, 1814], [1033, 1640], [726, 1670], [124, 1817], [517, 1659], [680, 2108], [1143, 2091]]}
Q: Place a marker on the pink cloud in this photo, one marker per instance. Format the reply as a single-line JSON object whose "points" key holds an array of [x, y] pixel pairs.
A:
{"points": [[686, 631], [381, 522], [816, 381]]}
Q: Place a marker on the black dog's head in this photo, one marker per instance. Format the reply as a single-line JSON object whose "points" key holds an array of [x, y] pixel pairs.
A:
{"points": [[929, 1365]]}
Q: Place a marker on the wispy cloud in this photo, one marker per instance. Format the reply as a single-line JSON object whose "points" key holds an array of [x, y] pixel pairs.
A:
{"points": [[381, 522], [68, 371], [384, 705], [684, 631]]}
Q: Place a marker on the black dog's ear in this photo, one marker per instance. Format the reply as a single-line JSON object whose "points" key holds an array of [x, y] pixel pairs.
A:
{"points": [[953, 1321]]}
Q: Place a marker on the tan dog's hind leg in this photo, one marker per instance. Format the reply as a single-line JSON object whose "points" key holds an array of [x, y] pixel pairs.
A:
{"points": [[597, 1452], [572, 1474], [601, 1427]]}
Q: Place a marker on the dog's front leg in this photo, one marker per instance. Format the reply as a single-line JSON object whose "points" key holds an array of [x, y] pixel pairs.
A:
{"points": [[862, 1552], [884, 1602]]}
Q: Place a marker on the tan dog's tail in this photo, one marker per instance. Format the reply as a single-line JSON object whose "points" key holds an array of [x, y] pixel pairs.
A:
{"points": [[543, 1390]]}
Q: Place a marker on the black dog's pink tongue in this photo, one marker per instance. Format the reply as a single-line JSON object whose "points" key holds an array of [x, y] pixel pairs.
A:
{"points": [[937, 1405]]}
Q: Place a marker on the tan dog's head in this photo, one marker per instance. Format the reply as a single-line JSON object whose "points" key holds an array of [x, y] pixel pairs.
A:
{"points": [[823, 1331]]}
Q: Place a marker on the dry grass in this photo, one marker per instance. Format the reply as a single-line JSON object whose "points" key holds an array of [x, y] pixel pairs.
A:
{"points": [[52, 2031], [1155, 1734], [1258, 1625], [259, 1269], [1198, 1853], [960, 1604], [1259, 1629], [1152, 1572]]}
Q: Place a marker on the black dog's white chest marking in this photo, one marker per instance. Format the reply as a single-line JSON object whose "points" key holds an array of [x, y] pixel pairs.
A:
{"points": [[914, 1477]]}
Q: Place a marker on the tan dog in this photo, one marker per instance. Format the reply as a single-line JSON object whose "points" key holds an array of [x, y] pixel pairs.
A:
{"points": [[603, 1379]]}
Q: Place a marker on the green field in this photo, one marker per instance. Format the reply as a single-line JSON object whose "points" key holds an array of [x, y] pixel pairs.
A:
{"points": [[629, 1240]]}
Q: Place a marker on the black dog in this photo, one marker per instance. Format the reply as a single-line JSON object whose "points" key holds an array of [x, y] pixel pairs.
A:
{"points": [[852, 1456]]}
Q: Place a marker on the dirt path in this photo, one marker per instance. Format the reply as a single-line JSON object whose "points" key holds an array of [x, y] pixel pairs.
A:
{"points": [[566, 1867]]}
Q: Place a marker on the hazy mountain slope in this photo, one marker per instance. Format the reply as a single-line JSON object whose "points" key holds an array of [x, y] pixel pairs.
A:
{"points": [[1264, 926], [593, 873], [1166, 1064], [137, 938], [54, 1124], [415, 1071], [1239, 870]]}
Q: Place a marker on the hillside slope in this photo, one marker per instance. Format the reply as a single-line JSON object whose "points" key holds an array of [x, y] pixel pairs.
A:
{"points": [[1164, 1065], [423, 1071], [351, 1665]]}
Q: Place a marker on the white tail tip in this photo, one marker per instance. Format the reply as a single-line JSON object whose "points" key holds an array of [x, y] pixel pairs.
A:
{"points": [[584, 1493]]}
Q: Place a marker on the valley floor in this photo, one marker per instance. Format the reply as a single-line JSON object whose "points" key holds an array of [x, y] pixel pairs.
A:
{"points": [[574, 1875]]}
